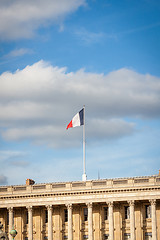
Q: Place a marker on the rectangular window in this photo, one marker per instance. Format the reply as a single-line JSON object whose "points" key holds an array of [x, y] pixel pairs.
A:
{"points": [[26, 238], [106, 236], [148, 236], [105, 214], [127, 212], [148, 211], [85, 236], [85, 214], [65, 237], [26, 217], [46, 216], [126, 236], [65, 215], [7, 218]]}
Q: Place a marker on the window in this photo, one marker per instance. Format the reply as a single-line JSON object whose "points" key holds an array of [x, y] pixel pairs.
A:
{"points": [[85, 214], [127, 212], [106, 236], [65, 237], [7, 218], [148, 211], [65, 215], [26, 238], [45, 237], [106, 213], [148, 236], [46, 216], [85, 236], [126, 236], [26, 217]]}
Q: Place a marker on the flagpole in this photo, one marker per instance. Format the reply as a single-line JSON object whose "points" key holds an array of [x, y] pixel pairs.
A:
{"points": [[84, 176]]}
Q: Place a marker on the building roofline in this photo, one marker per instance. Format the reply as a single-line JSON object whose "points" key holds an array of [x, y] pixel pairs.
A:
{"points": [[90, 180]]}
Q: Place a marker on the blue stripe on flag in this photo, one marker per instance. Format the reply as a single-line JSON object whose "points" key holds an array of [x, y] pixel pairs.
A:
{"points": [[81, 116]]}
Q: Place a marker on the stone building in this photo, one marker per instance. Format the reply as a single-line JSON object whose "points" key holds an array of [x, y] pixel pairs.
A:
{"points": [[114, 209]]}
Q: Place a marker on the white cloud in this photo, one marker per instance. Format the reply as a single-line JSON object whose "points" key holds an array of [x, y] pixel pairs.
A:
{"points": [[20, 18], [3, 180], [140, 28], [6, 155], [38, 102], [20, 163], [90, 37], [7, 158], [56, 135], [18, 52]]}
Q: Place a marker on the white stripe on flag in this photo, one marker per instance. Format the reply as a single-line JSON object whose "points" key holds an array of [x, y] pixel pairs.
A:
{"points": [[76, 120]]}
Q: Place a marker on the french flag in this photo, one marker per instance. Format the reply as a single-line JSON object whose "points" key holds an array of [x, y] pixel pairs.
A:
{"points": [[77, 120]]}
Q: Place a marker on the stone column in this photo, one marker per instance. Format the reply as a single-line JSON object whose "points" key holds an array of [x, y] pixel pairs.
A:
{"points": [[111, 222], [11, 222], [90, 221], [70, 222], [50, 230], [154, 220], [132, 220], [30, 223]]}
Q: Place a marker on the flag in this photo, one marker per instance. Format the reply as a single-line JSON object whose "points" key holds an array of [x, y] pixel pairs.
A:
{"points": [[77, 120]]}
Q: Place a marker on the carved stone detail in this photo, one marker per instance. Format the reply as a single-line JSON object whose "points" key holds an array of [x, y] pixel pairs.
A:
{"points": [[49, 207], [153, 202], [30, 209], [69, 206], [89, 205], [110, 204], [10, 209], [131, 203]]}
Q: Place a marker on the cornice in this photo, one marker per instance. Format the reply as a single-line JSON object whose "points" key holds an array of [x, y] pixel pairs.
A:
{"points": [[79, 192]]}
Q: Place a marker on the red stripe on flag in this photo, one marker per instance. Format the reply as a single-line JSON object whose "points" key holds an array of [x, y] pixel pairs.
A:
{"points": [[69, 125]]}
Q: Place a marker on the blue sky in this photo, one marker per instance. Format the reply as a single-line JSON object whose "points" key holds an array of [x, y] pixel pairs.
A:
{"points": [[56, 56]]}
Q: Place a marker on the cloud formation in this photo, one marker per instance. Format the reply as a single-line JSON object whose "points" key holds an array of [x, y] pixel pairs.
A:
{"points": [[38, 102], [20, 18], [3, 180], [89, 37], [18, 53], [10, 155]]}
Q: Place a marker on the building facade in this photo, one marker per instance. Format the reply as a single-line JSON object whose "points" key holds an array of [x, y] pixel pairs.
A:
{"points": [[114, 209]]}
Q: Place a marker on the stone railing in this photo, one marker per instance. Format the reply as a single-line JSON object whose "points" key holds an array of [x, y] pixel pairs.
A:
{"points": [[93, 184]]}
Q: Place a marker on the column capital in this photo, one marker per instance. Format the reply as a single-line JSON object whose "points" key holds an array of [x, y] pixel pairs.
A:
{"points": [[69, 206], [89, 204], [10, 209], [30, 208], [110, 204], [49, 207], [152, 202], [131, 203]]}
